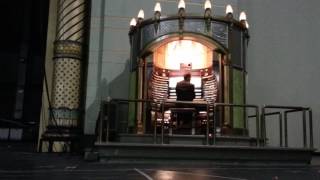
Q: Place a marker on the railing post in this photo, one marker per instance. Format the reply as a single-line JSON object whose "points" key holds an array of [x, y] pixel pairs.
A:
{"points": [[108, 120], [258, 126], [245, 123], [310, 127], [101, 119], [207, 127], [280, 128], [162, 122], [155, 123], [214, 125], [304, 126], [263, 128], [285, 129], [117, 119]]}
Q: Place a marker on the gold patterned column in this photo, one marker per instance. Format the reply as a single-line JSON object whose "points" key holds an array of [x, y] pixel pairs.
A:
{"points": [[68, 56]]}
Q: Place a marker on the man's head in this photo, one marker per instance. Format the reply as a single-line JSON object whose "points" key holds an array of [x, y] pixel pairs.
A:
{"points": [[187, 77]]}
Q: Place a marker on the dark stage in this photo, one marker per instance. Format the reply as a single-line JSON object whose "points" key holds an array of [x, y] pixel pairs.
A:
{"points": [[18, 161]]}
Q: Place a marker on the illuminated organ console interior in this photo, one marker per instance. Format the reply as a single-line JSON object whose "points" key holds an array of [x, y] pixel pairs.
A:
{"points": [[212, 49], [172, 60]]}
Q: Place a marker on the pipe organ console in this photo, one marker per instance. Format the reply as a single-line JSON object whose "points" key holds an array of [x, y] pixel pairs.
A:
{"points": [[211, 50]]}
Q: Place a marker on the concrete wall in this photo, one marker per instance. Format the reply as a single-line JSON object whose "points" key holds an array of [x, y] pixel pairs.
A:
{"points": [[108, 73], [283, 59]]}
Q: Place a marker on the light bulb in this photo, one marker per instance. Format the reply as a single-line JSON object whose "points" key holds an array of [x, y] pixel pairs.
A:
{"points": [[157, 7], [243, 16], [141, 14], [247, 25], [207, 4], [181, 4], [133, 22], [229, 9]]}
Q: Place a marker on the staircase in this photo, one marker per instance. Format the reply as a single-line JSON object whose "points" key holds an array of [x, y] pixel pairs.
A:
{"points": [[192, 148], [157, 153]]}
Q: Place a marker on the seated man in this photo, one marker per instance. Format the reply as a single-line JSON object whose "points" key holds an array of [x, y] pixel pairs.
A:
{"points": [[185, 92], [184, 89]]}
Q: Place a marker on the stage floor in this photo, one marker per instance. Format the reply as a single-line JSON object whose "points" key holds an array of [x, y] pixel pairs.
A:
{"points": [[20, 162]]}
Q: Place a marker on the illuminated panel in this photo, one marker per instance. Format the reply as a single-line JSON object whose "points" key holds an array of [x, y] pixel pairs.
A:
{"points": [[176, 53], [196, 81]]}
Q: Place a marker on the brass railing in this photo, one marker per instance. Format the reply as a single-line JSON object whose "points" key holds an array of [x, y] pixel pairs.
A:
{"points": [[260, 115], [287, 110], [105, 116], [216, 105], [186, 103]]}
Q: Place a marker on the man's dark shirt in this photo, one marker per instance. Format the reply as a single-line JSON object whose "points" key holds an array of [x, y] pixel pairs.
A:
{"points": [[185, 91]]}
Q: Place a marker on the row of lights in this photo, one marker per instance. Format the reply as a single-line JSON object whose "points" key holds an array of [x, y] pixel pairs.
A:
{"points": [[181, 7]]}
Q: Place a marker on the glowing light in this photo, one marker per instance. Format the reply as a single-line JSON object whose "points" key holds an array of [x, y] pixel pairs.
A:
{"points": [[141, 14], [181, 4], [195, 80], [229, 9], [165, 175], [157, 7], [247, 25], [133, 22], [186, 53], [243, 16], [207, 4]]}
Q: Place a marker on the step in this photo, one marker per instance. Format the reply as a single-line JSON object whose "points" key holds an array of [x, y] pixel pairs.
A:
{"points": [[224, 154], [185, 139]]}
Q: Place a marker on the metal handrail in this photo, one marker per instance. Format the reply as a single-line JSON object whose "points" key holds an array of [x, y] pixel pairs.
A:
{"points": [[186, 103], [237, 105], [102, 109], [280, 123], [289, 109], [260, 119]]}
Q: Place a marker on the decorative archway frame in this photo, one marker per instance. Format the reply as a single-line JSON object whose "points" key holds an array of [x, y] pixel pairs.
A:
{"points": [[221, 32]]}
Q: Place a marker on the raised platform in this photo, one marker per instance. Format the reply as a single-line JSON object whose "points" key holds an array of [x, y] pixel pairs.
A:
{"points": [[192, 147], [186, 139], [219, 154]]}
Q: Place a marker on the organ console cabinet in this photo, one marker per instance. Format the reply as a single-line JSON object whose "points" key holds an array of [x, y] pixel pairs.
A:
{"points": [[212, 49]]}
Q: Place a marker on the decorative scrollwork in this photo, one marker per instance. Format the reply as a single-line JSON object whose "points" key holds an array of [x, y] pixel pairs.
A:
{"points": [[217, 30], [220, 32], [68, 49]]}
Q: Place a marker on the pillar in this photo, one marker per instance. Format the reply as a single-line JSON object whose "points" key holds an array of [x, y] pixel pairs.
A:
{"points": [[65, 110], [139, 123]]}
